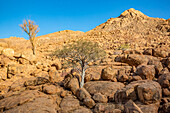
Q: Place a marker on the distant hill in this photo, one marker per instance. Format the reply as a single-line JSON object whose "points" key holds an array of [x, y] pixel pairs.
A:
{"points": [[132, 29]]}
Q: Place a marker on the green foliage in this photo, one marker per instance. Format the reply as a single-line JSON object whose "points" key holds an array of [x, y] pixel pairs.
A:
{"points": [[81, 51], [124, 47], [80, 54]]}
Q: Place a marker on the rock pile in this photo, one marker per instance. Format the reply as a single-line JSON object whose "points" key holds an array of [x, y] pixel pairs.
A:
{"points": [[134, 76]]}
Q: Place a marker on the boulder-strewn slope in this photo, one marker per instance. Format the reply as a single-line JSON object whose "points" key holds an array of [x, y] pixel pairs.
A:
{"points": [[134, 76], [134, 28]]}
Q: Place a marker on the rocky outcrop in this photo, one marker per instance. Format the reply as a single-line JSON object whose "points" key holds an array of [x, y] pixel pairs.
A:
{"points": [[165, 84], [106, 107], [147, 92], [146, 72], [109, 74], [133, 77], [131, 107], [69, 103], [106, 88]]}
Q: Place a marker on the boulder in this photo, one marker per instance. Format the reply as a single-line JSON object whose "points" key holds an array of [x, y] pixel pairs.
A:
{"points": [[131, 107], [69, 103], [164, 71], [4, 88], [157, 64], [4, 61], [149, 92], [104, 87], [23, 61], [146, 72], [18, 68], [122, 76], [38, 105], [166, 91], [165, 108], [128, 92], [28, 55], [81, 110], [50, 89], [109, 74], [167, 63], [36, 81], [93, 73], [159, 53], [89, 102], [132, 59], [8, 52], [149, 108], [148, 51], [164, 81], [54, 76], [19, 99], [3, 75], [57, 64], [73, 85], [43, 74], [65, 93], [134, 78], [18, 84], [82, 93], [99, 98], [106, 108]]}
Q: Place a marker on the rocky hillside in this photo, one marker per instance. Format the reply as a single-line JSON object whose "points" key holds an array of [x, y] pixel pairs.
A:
{"points": [[134, 76], [134, 28]]}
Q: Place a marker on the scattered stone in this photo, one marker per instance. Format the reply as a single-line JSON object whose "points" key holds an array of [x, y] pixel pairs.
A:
{"points": [[57, 64], [104, 87], [149, 92], [82, 110], [131, 107], [73, 85], [37, 105], [89, 102], [106, 108], [157, 64], [36, 81], [3, 75], [159, 53], [122, 76], [149, 108], [132, 59], [164, 81], [98, 97], [9, 52], [82, 93], [109, 74], [69, 103], [146, 72], [51, 89], [21, 98]]}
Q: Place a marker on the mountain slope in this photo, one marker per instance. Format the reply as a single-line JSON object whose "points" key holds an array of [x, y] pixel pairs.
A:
{"points": [[131, 27]]}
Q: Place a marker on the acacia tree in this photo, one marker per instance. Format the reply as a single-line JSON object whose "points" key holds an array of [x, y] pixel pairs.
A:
{"points": [[79, 54], [31, 29]]}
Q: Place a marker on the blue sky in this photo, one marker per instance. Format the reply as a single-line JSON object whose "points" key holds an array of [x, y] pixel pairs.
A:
{"points": [[82, 15]]}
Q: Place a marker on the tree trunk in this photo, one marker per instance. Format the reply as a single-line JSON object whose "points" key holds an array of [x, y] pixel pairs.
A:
{"points": [[33, 49], [82, 78], [32, 40]]}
